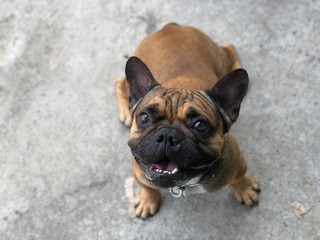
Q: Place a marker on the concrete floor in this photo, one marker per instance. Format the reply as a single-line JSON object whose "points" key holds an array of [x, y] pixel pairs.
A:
{"points": [[64, 160]]}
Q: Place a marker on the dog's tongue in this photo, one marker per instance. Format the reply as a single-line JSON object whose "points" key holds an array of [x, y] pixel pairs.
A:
{"points": [[171, 166], [166, 165]]}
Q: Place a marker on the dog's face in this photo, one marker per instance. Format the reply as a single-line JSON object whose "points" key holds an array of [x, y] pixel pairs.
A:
{"points": [[177, 134]]}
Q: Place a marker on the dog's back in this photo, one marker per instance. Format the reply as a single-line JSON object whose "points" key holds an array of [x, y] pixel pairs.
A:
{"points": [[177, 54]]}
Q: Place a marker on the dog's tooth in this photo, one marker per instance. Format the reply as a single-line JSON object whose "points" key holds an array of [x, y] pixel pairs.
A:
{"points": [[174, 170], [165, 171]]}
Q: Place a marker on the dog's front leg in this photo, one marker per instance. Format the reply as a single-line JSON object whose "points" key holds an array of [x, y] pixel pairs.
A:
{"points": [[246, 189], [148, 200]]}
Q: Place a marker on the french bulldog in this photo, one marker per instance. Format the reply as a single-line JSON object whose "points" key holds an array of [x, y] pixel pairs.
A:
{"points": [[180, 96]]}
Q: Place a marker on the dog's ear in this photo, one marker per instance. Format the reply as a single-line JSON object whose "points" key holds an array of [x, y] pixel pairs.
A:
{"points": [[140, 80], [228, 94]]}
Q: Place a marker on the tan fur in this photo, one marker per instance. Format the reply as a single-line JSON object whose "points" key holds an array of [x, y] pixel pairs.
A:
{"points": [[165, 53]]}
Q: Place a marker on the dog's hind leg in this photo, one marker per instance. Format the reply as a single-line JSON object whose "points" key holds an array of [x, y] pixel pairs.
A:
{"points": [[233, 55], [122, 93]]}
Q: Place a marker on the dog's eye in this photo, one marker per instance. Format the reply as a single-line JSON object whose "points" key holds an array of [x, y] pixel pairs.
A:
{"points": [[144, 118], [200, 126]]}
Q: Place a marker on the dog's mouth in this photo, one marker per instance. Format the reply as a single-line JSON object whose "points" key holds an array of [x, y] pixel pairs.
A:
{"points": [[167, 173], [165, 166]]}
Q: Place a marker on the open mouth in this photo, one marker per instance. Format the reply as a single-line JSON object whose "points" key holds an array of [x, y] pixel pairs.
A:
{"points": [[165, 166], [166, 173]]}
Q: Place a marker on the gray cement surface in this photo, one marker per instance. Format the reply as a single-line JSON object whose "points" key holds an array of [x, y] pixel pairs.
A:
{"points": [[64, 159]]}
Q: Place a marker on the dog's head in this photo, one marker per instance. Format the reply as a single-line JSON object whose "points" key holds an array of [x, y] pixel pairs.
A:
{"points": [[177, 134]]}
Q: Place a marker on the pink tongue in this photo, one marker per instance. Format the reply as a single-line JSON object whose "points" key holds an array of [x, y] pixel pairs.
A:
{"points": [[165, 165], [171, 166]]}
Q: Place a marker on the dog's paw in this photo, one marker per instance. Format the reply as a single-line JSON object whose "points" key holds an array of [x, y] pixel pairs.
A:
{"points": [[147, 203], [246, 191]]}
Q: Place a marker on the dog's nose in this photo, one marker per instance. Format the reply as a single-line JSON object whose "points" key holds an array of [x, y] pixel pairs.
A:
{"points": [[171, 137]]}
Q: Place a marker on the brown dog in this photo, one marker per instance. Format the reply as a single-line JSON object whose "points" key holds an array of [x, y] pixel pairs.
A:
{"points": [[181, 95]]}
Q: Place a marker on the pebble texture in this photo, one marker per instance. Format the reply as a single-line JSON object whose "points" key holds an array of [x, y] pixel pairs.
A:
{"points": [[64, 159]]}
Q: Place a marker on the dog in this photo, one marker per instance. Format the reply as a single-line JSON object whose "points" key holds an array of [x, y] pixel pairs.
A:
{"points": [[181, 94]]}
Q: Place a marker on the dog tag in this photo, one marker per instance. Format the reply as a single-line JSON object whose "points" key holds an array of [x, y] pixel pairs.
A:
{"points": [[177, 191]]}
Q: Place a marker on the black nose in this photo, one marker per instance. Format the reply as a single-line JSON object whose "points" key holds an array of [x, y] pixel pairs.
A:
{"points": [[170, 137]]}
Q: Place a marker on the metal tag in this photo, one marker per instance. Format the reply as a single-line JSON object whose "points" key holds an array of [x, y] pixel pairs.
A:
{"points": [[177, 191]]}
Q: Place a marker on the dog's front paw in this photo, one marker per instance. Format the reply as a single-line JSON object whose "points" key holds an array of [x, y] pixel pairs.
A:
{"points": [[246, 191], [147, 203]]}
